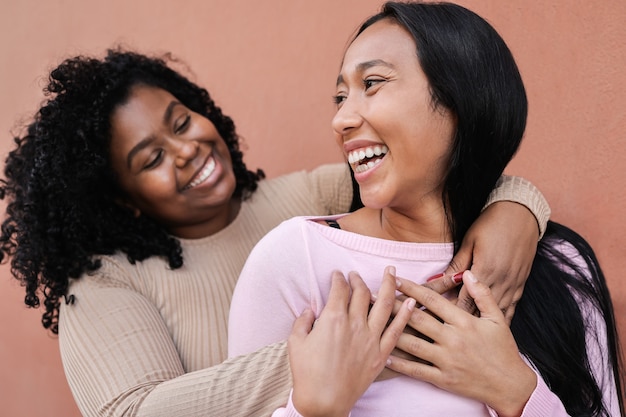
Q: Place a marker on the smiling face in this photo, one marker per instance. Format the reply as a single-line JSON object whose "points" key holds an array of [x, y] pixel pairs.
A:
{"points": [[172, 163], [396, 139]]}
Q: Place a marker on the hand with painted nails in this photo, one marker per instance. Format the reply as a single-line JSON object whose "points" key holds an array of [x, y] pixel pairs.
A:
{"points": [[499, 248], [439, 283], [336, 358], [444, 283], [475, 357], [403, 84]]}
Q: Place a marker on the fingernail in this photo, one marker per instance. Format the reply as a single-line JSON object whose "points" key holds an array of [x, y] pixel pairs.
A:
{"points": [[398, 283], [411, 304], [434, 277], [374, 296], [391, 270], [388, 362], [457, 278], [471, 276]]}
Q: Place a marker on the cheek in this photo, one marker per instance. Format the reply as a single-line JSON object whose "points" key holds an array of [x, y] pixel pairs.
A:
{"points": [[153, 187], [158, 182], [224, 151], [339, 141]]}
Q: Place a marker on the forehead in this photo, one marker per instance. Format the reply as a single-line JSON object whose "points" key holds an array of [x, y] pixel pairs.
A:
{"points": [[384, 40], [139, 117], [144, 109], [143, 101]]}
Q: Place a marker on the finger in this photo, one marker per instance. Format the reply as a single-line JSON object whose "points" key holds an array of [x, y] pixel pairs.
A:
{"points": [[424, 325], [466, 302], [454, 298], [303, 324], [361, 296], [418, 347], [481, 294], [409, 329], [414, 369], [462, 260], [445, 283], [428, 299], [510, 310], [509, 313], [385, 300], [339, 293], [488, 275], [393, 332]]}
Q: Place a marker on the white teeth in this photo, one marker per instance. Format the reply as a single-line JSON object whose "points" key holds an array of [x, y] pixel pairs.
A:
{"points": [[356, 157], [369, 165], [204, 174]]}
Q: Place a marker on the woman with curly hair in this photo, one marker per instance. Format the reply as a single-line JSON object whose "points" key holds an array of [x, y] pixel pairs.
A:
{"points": [[131, 212]]}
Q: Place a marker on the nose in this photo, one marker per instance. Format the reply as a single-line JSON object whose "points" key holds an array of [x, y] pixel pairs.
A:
{"points": [[347, 117], [185, 150]]}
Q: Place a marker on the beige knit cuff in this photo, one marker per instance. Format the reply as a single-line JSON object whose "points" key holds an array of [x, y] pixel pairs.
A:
{"points": [[522, 191]]}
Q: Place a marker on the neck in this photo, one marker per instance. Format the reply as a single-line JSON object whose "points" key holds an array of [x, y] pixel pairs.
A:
{"points": [[215, 224], [426, 225], [430, 226]]}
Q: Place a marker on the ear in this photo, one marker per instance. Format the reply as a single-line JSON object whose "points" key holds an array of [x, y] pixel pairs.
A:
{"points": [[129, 206]]}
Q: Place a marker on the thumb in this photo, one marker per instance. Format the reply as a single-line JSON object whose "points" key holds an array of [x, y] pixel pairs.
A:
{"points": [[461, 261], [303, 325], [483, 298]]}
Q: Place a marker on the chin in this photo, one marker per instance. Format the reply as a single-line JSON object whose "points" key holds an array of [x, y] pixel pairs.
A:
{"points": [[373, 202]]}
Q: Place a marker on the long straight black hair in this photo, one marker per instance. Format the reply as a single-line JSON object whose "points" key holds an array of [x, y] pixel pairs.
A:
{"points": [[471, 72]]}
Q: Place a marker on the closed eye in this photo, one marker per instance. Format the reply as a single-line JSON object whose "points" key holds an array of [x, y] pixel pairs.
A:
{"points": [[182, 123], [155, 159]]}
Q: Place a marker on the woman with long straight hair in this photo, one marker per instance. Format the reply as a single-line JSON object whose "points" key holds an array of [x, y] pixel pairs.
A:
{"points": [[430, 109]]}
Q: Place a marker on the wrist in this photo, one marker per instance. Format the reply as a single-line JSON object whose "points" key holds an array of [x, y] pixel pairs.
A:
{"points": [[318, 405], [512, 399], [522, 191]]}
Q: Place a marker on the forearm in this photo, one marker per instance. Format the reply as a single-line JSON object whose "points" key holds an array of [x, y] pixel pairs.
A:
{"points": [[155, 386], [120, 360], [542, 402], [250, 385]]}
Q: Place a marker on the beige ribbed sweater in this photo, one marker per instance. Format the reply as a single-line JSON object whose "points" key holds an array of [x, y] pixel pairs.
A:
{"points": [[144, 340]]}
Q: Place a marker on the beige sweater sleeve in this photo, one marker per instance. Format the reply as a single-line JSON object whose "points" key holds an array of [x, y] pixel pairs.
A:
{"points": [[248, 385], [522, 191], [333, 186], [121, 359]]}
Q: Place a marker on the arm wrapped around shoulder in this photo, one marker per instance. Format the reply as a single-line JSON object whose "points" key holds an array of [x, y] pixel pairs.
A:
{"points": [[522, 191]]}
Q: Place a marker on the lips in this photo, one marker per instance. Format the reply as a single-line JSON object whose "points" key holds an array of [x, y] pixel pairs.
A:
{"points": [[203, 174]]}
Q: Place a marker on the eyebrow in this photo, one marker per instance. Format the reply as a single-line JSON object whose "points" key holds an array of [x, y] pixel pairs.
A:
{"points": [[365, 65], [144, 143], [167, 115]]}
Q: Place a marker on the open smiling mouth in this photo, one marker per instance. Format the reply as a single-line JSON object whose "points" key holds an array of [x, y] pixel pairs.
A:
{"points": [[203, 174], [367, 158]]}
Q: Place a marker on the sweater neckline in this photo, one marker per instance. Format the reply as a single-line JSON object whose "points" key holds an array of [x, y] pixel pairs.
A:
{"points": [[243, 212], [377, 246]]}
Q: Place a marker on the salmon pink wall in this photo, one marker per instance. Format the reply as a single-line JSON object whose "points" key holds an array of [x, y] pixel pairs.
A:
{"points": [[272, 64]]}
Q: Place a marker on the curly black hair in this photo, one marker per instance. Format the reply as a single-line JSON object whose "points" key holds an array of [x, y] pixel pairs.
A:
{"points": [[61, 190]]}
